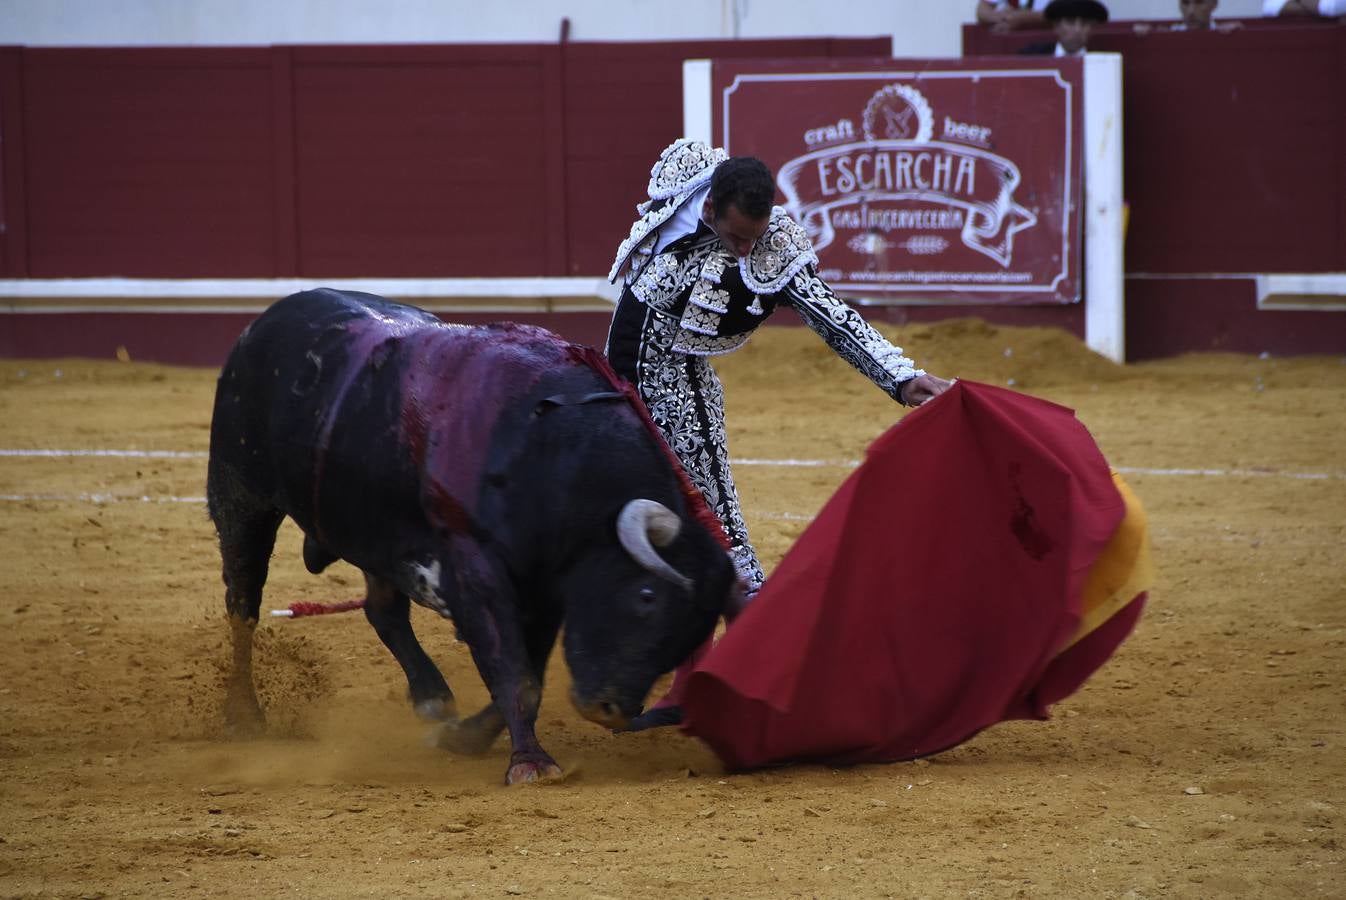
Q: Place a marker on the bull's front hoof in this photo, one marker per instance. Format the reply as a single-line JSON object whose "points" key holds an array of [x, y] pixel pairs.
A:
{"points": [[244, 729], [243, 716], [244, 721], [538, 768]]}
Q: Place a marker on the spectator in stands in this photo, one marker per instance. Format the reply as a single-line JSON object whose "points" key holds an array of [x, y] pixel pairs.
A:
{"points": [[1009, 15], [1072, 20], [1196, 15], [1304, 7]]}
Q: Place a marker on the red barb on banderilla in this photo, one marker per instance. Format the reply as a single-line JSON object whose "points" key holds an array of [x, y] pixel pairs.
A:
{"points": [[302, 609]]}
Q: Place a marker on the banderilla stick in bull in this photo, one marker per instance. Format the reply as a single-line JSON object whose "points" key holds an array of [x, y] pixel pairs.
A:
{"points": [[299, 610]]}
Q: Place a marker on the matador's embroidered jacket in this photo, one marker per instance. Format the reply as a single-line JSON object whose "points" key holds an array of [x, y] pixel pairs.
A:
{"points": [[690, 299], [719, 300]]}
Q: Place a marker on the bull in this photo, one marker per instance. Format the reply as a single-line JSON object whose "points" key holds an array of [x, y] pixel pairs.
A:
{"points": [[497, 475]]}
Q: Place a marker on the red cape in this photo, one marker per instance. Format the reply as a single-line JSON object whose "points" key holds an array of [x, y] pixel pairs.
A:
{"points": [[942, 589]]}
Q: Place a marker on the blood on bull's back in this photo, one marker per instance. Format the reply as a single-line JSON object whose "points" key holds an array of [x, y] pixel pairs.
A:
{"points": [[349, 417]]}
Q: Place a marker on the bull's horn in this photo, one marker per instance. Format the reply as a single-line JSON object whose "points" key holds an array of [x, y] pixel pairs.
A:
{"points": [[643, 525]]}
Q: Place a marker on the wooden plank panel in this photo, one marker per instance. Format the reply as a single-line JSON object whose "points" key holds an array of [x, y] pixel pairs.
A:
{"points": [[421, 168], [1233, 170], [1165, 317], [553, 144], [13, 192], [1341, 151], [623, 106], [285, 225], [148, 163], [1233, 143]]}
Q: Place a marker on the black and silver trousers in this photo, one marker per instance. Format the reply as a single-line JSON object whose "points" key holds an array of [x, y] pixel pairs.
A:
{"points": [[686, 401]]}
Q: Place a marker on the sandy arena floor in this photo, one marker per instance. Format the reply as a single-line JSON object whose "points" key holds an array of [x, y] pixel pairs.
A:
{"points": [[1207, 759]]}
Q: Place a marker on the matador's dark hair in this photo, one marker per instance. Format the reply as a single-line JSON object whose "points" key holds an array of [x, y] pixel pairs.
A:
{"points": [[745, 182]]}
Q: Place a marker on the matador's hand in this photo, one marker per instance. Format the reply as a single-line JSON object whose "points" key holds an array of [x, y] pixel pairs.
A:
{"points": [[922, 388]]}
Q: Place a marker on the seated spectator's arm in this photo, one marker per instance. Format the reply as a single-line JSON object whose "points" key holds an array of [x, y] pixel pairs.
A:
{"points": [[856, 341], [1008, 18], [1026, 18], [1291, 8], [989, 13]]}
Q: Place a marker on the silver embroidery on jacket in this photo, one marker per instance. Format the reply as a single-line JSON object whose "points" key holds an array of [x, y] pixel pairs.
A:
{"points": [[662, 283], [695, 344], [682, 169], [782, 251], [684, 304], [686, 402], [847, 333]]}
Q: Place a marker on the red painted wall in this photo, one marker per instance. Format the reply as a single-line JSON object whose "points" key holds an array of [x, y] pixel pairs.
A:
{"points": [[416, 161], [469, 160], [204, 339], [1173, 316], [155, 162], [389, 161], [1234, 144], [623, 106], [1235, 162]]}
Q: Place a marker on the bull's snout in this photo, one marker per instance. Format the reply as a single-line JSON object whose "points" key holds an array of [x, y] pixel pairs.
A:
{"points": [[604, 712]]}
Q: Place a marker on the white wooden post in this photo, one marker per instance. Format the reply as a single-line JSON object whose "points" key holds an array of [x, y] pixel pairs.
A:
{"points": [[1104, 281], [696, 123]]}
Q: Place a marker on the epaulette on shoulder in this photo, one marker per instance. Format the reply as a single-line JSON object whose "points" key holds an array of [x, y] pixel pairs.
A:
{"points": [[684, 166], [780, 253]]}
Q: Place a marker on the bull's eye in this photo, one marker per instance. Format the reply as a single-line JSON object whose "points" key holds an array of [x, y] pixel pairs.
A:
{"points": [[648, 596]]}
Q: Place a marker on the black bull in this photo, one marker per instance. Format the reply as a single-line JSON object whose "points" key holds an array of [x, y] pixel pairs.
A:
{"points": [[496, 475]]}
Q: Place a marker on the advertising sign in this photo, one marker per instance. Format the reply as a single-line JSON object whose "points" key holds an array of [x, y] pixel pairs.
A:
{"points": [[936, 180]]}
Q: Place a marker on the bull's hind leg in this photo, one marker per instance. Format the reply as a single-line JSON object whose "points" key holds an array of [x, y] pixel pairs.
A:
{"points": [[246, 542], [389, 611]]}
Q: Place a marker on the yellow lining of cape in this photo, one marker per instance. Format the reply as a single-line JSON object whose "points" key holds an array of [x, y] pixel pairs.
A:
{"points": [[1122, 571]]}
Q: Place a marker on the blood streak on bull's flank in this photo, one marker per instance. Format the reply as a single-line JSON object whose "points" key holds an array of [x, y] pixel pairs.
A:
{"points": [[897, 170]]}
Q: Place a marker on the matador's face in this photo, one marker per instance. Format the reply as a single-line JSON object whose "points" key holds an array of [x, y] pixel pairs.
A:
{"points": [[736, 230]]}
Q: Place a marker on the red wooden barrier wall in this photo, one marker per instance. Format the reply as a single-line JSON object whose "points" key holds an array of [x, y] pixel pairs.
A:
{"points": [[479, 160], [1234, 144], [156, 162], [623, 105], [1235, 162], [342, 161]]}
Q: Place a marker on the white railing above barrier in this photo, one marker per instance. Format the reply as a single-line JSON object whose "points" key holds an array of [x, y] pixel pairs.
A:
{"points": [[194, 295]]}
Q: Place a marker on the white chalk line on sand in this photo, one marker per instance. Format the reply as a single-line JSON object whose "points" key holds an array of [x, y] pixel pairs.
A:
{"points": [[745, 461], [85, 497], [127, 454], [768, 516], [1125, 470], [98, 498]]}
